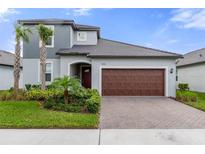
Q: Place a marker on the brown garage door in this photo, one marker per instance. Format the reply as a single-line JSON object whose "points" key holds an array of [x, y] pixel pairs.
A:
{"points": [[133, 82]]}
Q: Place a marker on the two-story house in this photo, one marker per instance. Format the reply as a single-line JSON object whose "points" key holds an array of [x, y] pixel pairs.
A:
{"points": [[113, 68]]}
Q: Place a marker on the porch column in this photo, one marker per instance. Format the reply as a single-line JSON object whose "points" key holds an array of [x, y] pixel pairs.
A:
{"points": [[68, 70]]}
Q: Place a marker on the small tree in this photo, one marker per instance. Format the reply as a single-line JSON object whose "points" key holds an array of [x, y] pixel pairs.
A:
{"points": [[21, 33], [66, 83], [45, 33]]}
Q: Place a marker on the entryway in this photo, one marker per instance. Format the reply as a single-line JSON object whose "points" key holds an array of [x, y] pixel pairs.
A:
{"points": [[82, 71]]}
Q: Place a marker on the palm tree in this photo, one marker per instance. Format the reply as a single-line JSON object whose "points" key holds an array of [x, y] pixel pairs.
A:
{"points": [[21, 33], [45, 33], [66, 83]]}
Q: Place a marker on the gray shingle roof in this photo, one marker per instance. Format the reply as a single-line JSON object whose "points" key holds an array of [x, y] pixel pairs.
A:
{"points": [[58, 21], [46, 21], [54, 21], [81, 27], [109, 48], [7, 58], [194, 57]]}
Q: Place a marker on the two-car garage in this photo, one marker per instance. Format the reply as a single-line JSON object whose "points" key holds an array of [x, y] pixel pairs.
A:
{"points": [[133, 82]]}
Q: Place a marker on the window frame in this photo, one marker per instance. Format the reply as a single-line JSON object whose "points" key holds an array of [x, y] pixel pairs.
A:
{"points": [[47, 82], [82, 40], [52, 37]]}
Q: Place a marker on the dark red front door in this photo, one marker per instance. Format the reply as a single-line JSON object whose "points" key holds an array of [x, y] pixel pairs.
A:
{"points": [[86, 77]]}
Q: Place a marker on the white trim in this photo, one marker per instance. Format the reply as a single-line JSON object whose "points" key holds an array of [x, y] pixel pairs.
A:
{"points": [[53, 37], [71, 36], [48, 61], [135, 67]]}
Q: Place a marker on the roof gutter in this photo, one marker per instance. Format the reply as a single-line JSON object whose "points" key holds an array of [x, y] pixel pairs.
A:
{"points": [[9, 65], [184, 65], [127, 56]]}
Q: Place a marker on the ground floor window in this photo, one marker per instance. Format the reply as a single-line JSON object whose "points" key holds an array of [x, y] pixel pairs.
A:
{"points": [[48, 72]]}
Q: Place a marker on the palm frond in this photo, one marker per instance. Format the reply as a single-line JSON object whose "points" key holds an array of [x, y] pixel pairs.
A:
{"points": [[44, 32], [22, 32]]}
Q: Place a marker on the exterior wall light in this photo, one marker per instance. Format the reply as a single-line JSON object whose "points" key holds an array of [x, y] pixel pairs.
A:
{"points": [[171, 70]]}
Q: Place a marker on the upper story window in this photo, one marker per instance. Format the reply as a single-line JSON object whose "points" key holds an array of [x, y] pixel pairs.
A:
{"points": [[50, 41], [81, 36]]}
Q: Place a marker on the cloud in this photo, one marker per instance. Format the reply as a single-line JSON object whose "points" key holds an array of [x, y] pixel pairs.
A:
{"points": [[11, 44], [189, 18], [148, 44], [5, 12], [172, 41], [79, 12]]}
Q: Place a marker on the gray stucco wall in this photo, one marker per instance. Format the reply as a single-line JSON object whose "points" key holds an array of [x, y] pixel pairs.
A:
{"points": [[61, 67], [61, 40], [194, 75], [31, 70], [7, 79], [98, 63]]}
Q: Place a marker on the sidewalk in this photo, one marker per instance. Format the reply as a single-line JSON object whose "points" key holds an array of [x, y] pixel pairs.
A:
{"points": [[103, 136]]}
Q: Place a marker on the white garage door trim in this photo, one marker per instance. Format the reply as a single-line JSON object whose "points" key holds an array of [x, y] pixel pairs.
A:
{"points": [[134, 67]]}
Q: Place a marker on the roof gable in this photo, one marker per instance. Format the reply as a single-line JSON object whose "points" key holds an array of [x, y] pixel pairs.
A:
{"points": [[7, 58], [194, 57]]}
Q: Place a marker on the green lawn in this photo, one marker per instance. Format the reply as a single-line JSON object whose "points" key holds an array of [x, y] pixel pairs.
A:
{"points": [[29, 114], [200, 104]]}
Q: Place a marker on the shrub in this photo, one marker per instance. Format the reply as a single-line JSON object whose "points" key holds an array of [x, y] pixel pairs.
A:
{"points": [[9, 95], [183, 86], [6, 95], [78, 95], [93, 103], [36, 86], [59, 107], [50, 86], [186, 96], [73, 108], [67, 84], [28, 87], [42, 95], [49, 104], [11, 89]]}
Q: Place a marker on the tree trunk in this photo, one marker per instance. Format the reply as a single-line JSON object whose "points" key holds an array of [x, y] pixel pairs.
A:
{"points": [[66, 96], [43, 56], [17, 67]]}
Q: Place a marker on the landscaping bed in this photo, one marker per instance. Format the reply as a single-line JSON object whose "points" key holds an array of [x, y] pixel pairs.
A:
{"points": [[30, 114], [63, 104], [194, 99]]}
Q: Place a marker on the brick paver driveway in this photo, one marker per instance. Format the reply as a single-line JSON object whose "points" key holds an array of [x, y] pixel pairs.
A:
{"points": [[149, 112]]}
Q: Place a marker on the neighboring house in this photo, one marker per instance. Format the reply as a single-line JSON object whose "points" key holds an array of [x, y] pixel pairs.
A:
{"points": [[113, 68], [191, 70], [6, 70]]}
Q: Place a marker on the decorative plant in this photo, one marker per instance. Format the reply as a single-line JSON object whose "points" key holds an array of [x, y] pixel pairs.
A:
{"points": [[183, 86], [67, 84]]}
